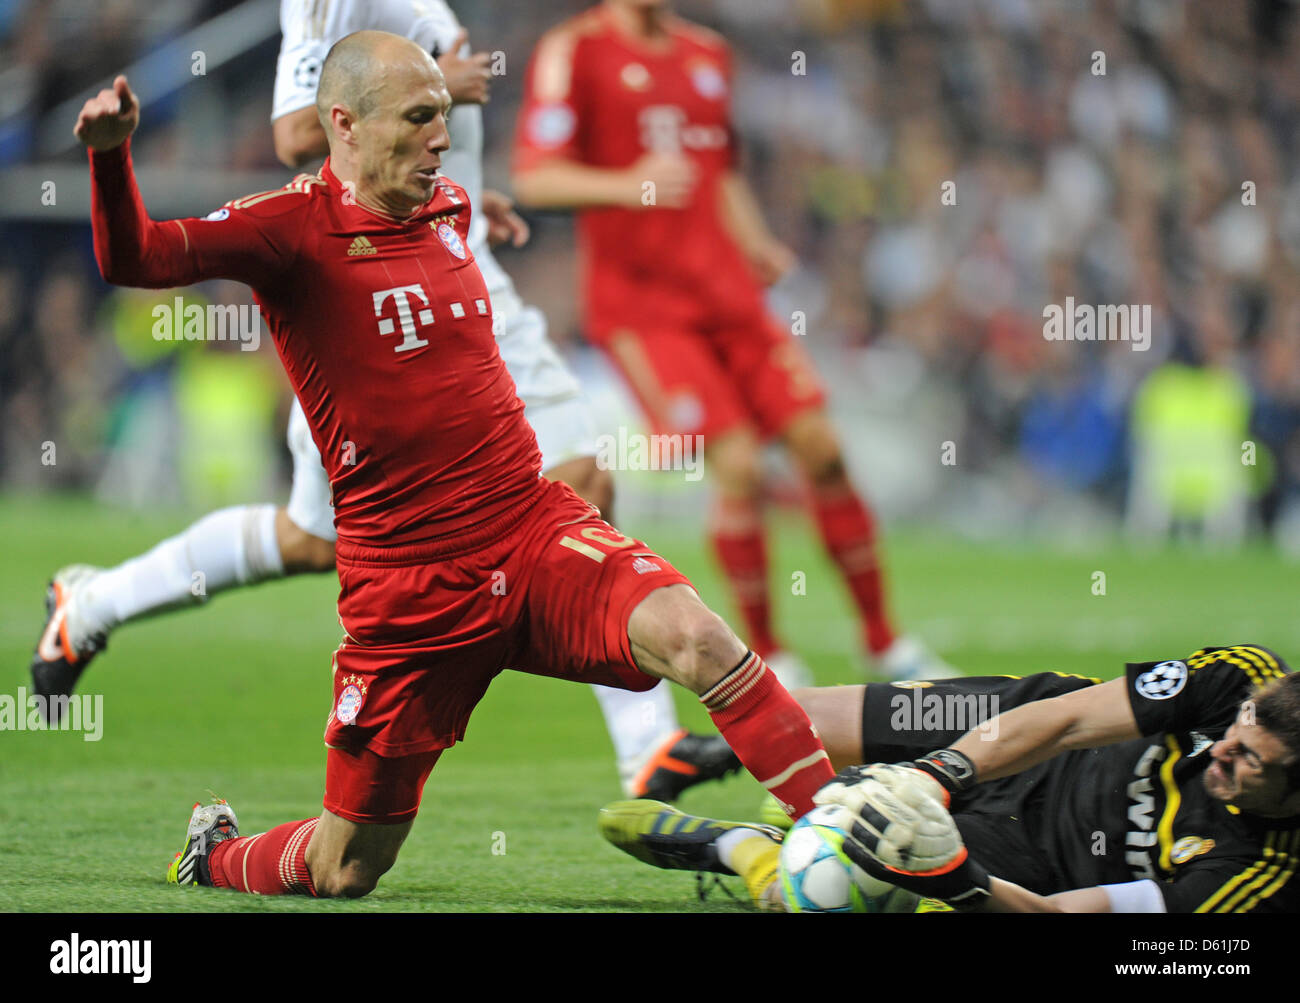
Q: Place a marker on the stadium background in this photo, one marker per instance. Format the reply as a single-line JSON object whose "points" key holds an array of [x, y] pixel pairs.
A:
{"points": [[1009, 469]]}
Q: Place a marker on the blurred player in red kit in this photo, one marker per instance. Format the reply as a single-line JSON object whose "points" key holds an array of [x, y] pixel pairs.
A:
{"points": [[456, 559], [626, 119]]}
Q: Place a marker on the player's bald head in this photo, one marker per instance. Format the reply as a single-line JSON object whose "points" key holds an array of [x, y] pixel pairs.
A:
{"points": [[361, 68]]}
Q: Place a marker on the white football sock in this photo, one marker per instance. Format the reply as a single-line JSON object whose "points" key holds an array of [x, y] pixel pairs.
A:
{"points": [[636, 722], [726, 845], [230, 547]]}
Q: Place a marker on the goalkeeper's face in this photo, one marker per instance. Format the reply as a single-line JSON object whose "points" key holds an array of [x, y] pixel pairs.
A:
{"points": [[1249, 770], [401, 141]]}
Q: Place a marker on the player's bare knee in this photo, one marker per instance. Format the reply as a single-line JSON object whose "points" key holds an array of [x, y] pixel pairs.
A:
{"points": [[351, 881], [735, 464], [705, 650], [816, 448], [822, 461], [827, 470]]}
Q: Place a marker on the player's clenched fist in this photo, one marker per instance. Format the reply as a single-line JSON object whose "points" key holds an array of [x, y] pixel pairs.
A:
{"points": [[109, 117]]}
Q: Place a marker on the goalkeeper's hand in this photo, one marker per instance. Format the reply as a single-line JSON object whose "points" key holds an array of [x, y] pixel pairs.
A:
{"points": [[913, 843], [939, 775]]}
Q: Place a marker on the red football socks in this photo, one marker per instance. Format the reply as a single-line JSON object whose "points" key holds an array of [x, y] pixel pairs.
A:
{"points": [[770, 733], [270, 863], [849, 534], [736, 530]]}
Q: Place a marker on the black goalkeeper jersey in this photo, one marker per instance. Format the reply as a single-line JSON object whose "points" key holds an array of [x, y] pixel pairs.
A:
{"points": [[1140, 809], [1121, 813]]}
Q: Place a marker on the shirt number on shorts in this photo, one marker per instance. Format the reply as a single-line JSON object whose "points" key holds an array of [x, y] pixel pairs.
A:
{"points": [[604, 535]]}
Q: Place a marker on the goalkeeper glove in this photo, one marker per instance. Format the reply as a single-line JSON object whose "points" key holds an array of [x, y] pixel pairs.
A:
{"points": [[901, 845], [949, 768], [941, 774]]}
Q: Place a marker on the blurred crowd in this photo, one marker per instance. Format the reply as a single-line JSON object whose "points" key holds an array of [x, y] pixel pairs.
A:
{"points": [[944, 170]]}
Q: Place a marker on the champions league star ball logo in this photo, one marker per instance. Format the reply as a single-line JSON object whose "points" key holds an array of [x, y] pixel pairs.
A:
{"points": [[350, 700], [307, 73], [451, 240], [1163, 681]]}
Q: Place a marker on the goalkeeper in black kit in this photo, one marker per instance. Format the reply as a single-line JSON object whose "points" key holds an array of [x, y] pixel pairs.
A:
{"points": [[1173, 789]]}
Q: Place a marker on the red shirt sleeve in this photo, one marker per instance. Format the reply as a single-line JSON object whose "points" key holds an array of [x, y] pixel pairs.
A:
{"points": [[550, 119], [134, 250]]}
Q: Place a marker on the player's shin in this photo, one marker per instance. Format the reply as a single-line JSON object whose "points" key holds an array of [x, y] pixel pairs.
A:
{"points": [[270, 863], [770, 733], [736, 532], [848, 532]]}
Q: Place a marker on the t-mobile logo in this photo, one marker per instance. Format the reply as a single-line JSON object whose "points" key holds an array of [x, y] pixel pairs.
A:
{"points": [[399, 295]]}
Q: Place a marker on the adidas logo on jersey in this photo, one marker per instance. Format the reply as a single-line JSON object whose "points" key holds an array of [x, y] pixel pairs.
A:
{"points": [[361, 246], [641, 566]]}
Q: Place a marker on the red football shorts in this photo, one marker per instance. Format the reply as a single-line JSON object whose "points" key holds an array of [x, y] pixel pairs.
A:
{"points": [[548, 589], [694, 383]]}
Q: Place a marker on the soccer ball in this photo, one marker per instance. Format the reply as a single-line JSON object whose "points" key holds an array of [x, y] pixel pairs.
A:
{"points": [[817, 876]]}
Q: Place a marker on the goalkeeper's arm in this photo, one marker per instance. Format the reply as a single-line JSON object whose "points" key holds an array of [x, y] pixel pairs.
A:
{"points": [[1025, 736], [1035, 732], [1133, 896]]}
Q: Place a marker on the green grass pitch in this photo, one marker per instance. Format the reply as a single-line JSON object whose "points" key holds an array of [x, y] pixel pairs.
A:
{"points": [[232, 698]]}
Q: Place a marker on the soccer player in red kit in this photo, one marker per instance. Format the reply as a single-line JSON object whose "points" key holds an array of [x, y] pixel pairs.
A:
{"points": [[626, 119], [456, 559]]}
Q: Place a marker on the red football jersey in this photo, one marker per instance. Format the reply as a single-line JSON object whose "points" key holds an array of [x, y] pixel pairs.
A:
{"points": [[598, 96], [384, 327]]}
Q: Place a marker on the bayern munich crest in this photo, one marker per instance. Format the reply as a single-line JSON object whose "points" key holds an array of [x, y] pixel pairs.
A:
{"points": [[451, 240], [709, 81], [350, 700], [1162, 681]]}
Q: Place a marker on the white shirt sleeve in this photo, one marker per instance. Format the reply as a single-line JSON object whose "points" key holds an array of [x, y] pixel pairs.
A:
{"points": [[1135, 896], [309, 27], [434, 27], [303, 46]]}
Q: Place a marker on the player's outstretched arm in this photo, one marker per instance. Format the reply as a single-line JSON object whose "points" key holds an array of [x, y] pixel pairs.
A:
{"points": [[1035, 732], [134, 250], [1130, 897], [656, 180], [1007, 897], [1004, 745]]}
